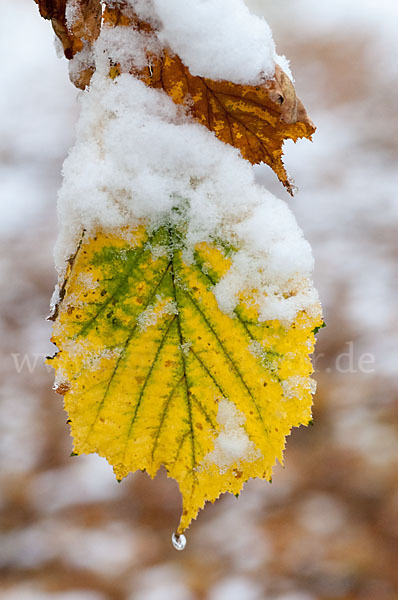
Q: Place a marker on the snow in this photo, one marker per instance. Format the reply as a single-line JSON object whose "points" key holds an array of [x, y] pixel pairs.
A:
{"points": [[232, 444], [219, 39], [80, 62], [138, 155], [71, 13], [125, 45], [292, 386], [151, 315]]}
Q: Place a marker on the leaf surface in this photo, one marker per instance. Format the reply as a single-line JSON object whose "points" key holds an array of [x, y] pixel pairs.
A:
{"points": [[155, 374]]}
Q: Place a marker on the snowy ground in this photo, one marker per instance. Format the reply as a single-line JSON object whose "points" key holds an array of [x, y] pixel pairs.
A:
{"points": [[326, 528]]}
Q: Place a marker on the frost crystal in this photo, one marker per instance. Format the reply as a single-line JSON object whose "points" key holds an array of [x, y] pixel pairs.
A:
{"points": [[293, 386], [153, 313]]}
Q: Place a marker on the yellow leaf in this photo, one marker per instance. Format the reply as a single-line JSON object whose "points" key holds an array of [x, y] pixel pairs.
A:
{"points": [[155, 374]]}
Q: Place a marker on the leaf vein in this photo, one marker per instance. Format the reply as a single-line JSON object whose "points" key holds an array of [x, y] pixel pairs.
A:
{"points": [[163, 416], [123, 353], [227, 355], [147, 378]]}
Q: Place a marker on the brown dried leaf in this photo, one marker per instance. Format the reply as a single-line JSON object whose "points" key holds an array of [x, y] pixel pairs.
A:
{"points": [[254, 119], [80, 33]]}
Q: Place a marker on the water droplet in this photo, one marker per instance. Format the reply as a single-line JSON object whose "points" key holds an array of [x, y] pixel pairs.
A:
{"points": [[179, 541]]}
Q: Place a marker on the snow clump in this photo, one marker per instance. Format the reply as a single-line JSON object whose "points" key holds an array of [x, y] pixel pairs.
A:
{"points": [[219, 39], [232, 443]]}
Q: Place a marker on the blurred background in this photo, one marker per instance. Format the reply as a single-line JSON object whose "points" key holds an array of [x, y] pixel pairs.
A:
{"points": [[327, 527]]}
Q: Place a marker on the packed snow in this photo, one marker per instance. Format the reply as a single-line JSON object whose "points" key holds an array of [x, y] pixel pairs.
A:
{"points": [[219, 39], [138, 155]]}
